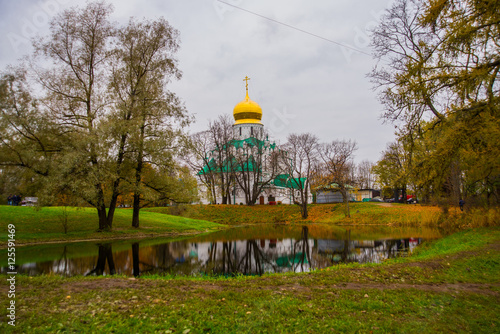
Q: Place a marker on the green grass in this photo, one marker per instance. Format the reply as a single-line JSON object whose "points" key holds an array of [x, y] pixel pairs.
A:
{"points": [[449, 285], [45, 224]]}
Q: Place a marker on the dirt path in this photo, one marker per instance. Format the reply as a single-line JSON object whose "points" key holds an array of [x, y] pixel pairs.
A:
{"points": [[289, 287]]}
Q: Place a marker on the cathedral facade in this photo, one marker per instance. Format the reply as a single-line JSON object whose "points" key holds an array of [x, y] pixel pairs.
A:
{"points": [[256, 170]]}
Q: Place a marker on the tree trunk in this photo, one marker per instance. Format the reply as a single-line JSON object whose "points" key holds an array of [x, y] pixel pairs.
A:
{"points": [[346, 202], [103, 221], [304, 210], [116, 183], [138, 178], [136, 208]]}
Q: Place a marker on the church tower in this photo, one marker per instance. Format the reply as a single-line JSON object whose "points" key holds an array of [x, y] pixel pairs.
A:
{"points": [[247, 115]]}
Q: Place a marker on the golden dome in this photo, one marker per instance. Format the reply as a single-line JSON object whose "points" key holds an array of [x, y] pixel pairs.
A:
{"points": [[247, 111]]}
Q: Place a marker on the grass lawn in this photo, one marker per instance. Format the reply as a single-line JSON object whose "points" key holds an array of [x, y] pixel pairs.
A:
{"points": [[46, 224], [451, 285]]}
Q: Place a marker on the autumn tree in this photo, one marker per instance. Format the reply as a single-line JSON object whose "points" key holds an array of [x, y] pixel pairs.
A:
{"points": [[101, 108], [74, 87], [337, 162], [438, 80], [392, 170], [28, 140], [300, 161], [151, 117]]}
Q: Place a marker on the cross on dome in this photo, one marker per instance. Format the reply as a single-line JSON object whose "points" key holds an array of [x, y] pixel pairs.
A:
{"points": [[246, 84]]}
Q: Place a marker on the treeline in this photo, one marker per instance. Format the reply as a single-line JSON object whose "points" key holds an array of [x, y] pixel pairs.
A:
{"points": [[87, 117]]}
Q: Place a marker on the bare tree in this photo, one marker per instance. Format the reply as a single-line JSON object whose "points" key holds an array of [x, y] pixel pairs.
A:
{"points": [[301, 157], [221, 132], [198, 156], [337, 159], [364, 176], [256, 163]]}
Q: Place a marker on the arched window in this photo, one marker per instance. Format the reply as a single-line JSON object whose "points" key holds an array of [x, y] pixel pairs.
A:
{"points": [[240, 130], [251, 130]]}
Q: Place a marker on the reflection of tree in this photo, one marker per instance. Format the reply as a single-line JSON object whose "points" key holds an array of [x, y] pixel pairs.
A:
{"points": [[63, 261], [164, 260], [301, 249], [135, 259], [246, 261], [229, 261], [105, 254], [347, 242], [228, 265]]}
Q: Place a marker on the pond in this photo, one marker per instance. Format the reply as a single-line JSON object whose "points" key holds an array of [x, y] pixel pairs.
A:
{"points": [[249, 250]]}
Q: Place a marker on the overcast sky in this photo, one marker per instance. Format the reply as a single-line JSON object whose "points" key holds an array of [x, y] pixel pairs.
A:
{"points": [[303, 83]]}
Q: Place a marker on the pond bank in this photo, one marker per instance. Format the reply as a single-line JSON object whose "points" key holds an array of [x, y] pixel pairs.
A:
{"points": [[46, 224], [450, 285]]}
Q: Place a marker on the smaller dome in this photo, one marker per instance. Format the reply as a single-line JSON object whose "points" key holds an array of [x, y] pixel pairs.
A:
{"points": [[247, 111]]}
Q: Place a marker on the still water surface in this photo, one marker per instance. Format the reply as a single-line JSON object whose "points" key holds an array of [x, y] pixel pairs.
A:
{"points": [[250, 250]]}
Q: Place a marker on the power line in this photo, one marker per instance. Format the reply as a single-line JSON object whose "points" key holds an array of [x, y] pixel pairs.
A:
{"points": [[295, 28]]}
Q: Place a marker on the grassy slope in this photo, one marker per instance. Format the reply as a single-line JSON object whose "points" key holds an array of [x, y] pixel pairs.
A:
{"points": [[361, 213], [46, 224], [450, 285]]}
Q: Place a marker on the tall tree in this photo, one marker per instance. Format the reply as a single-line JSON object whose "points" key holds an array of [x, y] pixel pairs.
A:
{"points": [[75, 86], [392, 170], [337, 160], [302, 157], [440, 67], [144, 64]]}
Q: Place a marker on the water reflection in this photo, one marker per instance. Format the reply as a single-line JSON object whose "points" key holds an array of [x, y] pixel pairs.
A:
{"points": [[212, 257], [105, 255]]}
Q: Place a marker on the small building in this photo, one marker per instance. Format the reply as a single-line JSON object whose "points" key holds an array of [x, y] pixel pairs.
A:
{"points": [[364, 195], [331, 194]]}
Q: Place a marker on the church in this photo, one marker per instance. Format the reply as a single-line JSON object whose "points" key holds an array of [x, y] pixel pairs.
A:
{"points": [[256, 170]]}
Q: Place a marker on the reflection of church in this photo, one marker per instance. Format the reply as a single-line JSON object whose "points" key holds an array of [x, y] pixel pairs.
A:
{"points": [[254, 160]]}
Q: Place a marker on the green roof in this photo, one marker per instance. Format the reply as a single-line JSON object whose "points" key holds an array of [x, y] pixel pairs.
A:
{"points": [[228, 166], [285, 181], [252, 142]]}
